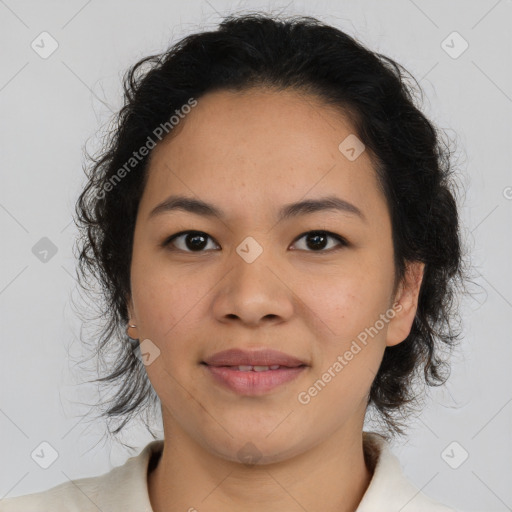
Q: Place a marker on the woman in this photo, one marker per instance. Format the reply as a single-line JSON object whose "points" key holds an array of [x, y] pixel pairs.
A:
{"points": [[273, 219]]}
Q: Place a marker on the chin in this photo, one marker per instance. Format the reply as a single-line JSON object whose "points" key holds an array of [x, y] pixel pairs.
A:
{"points": [[251, 453], [253, 446]]}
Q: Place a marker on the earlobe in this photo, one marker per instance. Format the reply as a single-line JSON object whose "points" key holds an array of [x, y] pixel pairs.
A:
{"points": [[132, 323], [405, 304]]}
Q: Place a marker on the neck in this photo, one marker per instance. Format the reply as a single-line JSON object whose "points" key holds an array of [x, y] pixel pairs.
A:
{"points": [[331, 476]]}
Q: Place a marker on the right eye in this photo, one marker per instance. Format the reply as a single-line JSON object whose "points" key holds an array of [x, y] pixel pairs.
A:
{"points": [[190, 241]]}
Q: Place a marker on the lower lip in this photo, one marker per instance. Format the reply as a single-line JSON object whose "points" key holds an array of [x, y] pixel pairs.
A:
{"points": [[251, 382]]}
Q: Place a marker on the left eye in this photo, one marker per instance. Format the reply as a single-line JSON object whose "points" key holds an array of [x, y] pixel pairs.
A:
{"points": [[196, 241], [318, 239]]}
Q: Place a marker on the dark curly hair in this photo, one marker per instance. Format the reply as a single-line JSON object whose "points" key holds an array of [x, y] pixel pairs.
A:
{"points": [[412, 159]]}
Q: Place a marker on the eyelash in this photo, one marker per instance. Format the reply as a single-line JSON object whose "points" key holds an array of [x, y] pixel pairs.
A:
{"points": [[343, 243]]}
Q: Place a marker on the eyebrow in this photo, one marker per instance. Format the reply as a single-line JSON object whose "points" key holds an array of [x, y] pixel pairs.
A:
{"points": [[199, 207]]}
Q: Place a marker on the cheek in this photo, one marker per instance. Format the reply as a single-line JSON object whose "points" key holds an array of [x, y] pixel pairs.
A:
{"points": [[169, 313], [348, 301], [167, 303], [348, 349]]}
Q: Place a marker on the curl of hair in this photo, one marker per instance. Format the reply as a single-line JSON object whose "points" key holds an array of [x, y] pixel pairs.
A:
{"points": [[412, 160]]}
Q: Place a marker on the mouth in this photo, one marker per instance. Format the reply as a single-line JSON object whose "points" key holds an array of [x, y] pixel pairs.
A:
{"points": [[253, 380], [253, 373], [255, 368], [255, 358]]}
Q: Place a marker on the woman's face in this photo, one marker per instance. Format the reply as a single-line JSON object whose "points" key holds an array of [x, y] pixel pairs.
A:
{"points": [[253, 279]]}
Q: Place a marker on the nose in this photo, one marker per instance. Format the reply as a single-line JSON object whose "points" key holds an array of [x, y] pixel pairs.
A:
{"points": [[255, 291]]}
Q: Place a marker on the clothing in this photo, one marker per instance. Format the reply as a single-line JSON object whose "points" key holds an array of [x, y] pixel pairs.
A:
{"points": [[125, 488]]}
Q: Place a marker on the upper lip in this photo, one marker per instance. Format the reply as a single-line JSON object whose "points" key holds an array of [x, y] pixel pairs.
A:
{"points": [[261, 357]]}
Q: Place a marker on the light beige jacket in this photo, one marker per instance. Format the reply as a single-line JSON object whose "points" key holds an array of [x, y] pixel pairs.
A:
{"points": [[124, 488]]}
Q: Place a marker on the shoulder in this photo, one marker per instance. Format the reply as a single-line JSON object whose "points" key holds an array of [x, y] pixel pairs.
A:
{"points": [[123, 488], [389, 489], [69, 496]]}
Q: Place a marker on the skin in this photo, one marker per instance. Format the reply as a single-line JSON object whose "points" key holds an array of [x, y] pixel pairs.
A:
{"points": [[250, 153]]}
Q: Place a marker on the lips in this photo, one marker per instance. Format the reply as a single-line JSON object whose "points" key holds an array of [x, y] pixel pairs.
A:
{"points": [[257, 368], [259, 360], [253, 373]]}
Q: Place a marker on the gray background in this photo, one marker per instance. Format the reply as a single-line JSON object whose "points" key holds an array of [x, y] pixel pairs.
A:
{"points": [[50, 107]]}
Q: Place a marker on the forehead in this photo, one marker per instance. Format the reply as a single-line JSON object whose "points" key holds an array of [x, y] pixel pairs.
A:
{"points": [[259, 148]]}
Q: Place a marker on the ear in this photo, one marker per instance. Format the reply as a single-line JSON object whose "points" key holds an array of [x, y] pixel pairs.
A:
{"points": [[131, 314], [405, 304]]}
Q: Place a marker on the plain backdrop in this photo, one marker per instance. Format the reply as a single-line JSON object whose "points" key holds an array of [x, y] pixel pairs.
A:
{"points": [[459, 450]]}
